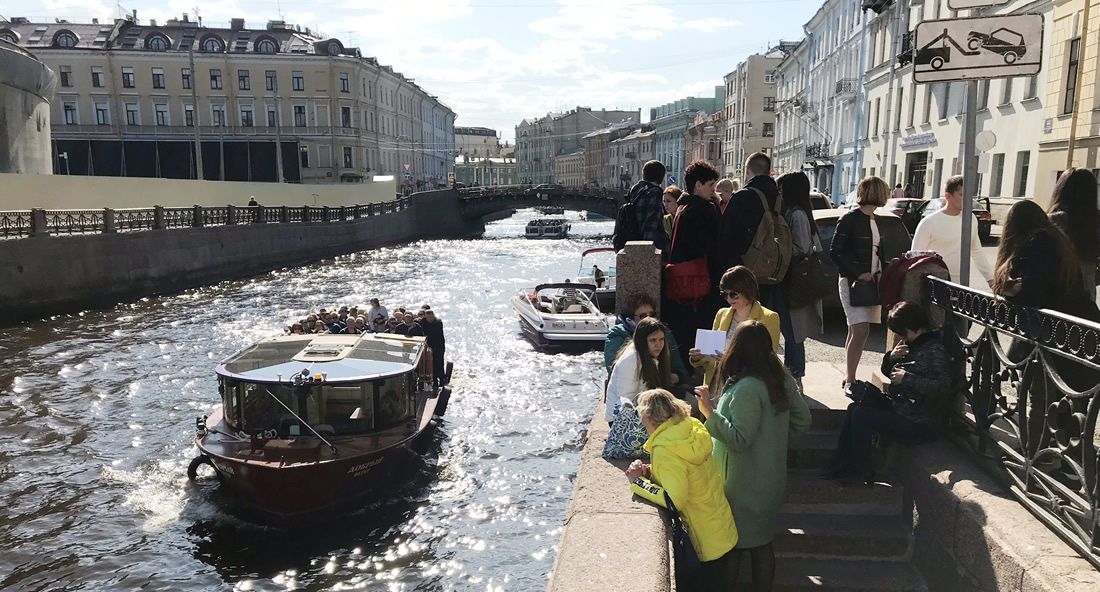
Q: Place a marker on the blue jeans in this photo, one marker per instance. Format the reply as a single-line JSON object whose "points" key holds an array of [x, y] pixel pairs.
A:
{"points": [[794, 353]]}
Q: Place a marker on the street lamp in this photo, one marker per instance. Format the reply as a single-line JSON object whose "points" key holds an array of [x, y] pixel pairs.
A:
{"points": [[65, 155]]}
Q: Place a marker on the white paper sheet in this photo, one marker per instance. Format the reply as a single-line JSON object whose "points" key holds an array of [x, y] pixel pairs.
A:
{"points": [[710, 343]]}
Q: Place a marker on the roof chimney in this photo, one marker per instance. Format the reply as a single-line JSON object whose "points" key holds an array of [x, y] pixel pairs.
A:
{"points": [[134, 16], [185, 17], [95, 21], [236, 24], [152, 22]]}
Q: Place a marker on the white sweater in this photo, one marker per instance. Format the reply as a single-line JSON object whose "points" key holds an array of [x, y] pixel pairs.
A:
{"points": [[625, 382], [943, 234]]}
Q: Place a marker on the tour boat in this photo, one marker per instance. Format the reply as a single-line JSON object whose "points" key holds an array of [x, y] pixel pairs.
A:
{"points": [[547, 228], [309, 422], [603, 277], [561, 314]]}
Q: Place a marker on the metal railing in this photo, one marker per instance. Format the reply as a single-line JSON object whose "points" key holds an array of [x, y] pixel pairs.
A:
{"points": [[16, 224], [846, 86], [905, 54], [1032, 399]]}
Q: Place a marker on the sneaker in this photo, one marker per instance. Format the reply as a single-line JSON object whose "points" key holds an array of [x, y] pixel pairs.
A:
{"points": [[801, 390]]}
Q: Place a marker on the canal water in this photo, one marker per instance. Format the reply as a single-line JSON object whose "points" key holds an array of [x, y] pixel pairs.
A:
{"points": [[97, 416]]}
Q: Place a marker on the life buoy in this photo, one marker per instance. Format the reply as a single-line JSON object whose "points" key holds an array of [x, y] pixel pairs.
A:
{"points": [[193, 468]]}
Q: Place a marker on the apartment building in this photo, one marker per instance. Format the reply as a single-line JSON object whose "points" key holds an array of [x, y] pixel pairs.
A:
{"points": [[569, 169], [703, 140], [750, 108], [596, 156], [486, 171], [477, 142], [540, 139], [627, 155], [792, 126], [1071, 94], [671, 120], [264, 104]]}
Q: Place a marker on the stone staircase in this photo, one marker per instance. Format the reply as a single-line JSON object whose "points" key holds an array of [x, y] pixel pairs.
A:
{"points": [[840, 538]]}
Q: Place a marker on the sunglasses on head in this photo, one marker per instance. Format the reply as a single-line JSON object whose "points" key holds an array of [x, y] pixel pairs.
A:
{"points": [[729, 294]]}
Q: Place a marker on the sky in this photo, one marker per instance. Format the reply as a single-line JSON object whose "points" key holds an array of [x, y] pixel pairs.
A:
{"points": [[495, 62]]}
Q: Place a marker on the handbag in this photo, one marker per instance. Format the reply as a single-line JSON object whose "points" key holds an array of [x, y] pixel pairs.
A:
{"points": [[868, 395], [683, 552], [688, 281], [808, 279], [861, 293], [627, 435]]}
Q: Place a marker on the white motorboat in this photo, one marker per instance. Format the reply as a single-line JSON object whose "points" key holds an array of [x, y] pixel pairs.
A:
{"points": [[561, 314], [598, 268], [547, 228]]}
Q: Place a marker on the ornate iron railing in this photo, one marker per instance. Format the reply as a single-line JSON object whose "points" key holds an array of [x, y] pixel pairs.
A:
{"points": [[1033, 398], [27, 223]]}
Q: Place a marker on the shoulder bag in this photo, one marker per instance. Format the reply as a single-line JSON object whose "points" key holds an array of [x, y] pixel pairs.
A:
{"points": [[684, 554], [688, 281], [808, 279]]}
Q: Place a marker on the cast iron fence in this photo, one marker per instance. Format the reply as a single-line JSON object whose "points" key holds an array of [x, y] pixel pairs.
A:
{"points": [[1033, 401]]}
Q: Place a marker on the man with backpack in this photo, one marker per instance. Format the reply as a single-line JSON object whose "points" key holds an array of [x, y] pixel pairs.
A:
{"points": [[641, 218], [752, 231]]}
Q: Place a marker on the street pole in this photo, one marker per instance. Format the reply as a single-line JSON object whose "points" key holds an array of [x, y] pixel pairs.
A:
{"points": [[970, 178], [196, 118]]}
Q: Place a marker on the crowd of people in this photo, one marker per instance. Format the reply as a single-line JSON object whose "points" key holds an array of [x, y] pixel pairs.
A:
{"points": [[717, 425]]}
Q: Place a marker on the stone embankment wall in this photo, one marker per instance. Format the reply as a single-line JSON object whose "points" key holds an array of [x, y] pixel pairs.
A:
{"points": [[46, 275], [26, 88]]}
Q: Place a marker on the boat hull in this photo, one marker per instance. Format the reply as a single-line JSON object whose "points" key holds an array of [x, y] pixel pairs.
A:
{"points": [[541, 331]]}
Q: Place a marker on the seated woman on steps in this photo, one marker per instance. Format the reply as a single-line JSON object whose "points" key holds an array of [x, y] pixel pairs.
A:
{"points": [[923, 380]]}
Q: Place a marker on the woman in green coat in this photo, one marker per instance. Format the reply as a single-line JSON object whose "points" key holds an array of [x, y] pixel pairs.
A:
{"points": [[760, 407]]}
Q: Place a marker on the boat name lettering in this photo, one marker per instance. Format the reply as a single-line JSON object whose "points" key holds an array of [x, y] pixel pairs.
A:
{"points": [[362, 468]]}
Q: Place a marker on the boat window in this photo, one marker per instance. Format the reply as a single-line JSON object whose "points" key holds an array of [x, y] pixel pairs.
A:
{"points": [[260, 411], [395, 400], [230, 402], [341, 410]]}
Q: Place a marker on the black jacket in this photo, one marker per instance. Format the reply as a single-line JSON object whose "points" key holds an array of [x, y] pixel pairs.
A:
{"points": [[433, 331], [926, 391], [853, 245], [649, 212], [696, 230], [741, 218]]}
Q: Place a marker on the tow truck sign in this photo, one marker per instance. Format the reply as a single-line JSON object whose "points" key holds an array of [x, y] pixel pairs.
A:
{"points": [[982, 47]]}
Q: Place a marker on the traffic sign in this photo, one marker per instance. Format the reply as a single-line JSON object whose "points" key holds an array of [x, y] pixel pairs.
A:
{"points": [[671, 180], [408, 176], [967, 4], [983, 47]]}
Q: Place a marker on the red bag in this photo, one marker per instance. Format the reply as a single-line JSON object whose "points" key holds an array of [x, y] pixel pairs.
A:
{"points": [[688, 281]]}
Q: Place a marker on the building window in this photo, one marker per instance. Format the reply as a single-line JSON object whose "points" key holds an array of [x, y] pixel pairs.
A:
{"points": [[132, 116], [927, 111], [1023, 166], [1073, 57], [1032, 87], [299, 116], [769, 103], [345, 82], [271, 121], [1006, 91], [769, 77], [303, 156], [244, 80], [158, 77], [998, 175], [897, 113], [266, 46], [66, 73], [298, 80], [246, 117], [161, 113], [983, 94], [271, 81], [64, 39], [218, 113], [348, 163], [97, 76], [70, 114], [215, 79], [769, 130], [212, 45], [127, 77], [189, 116], [345, 117], [185, 76], [878, 119], [156, 43], [333, 48], [102, 114]]}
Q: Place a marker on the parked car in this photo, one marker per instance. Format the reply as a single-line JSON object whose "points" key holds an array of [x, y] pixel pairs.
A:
{"points": [[981, 212], [820, 201], [908, 209], [895, 240]]}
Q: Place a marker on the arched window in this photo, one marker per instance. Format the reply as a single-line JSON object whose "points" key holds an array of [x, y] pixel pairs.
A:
{"points": [[266, 46], [9, 36], [213, 44], [64, 39], [334, 48], [157, 43]]}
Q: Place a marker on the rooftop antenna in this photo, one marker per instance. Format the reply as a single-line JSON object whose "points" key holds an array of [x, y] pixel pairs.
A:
{"points": [[198, 17], [279, 8]]}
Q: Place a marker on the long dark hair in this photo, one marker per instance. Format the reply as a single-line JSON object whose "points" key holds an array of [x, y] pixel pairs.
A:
{"points": [[656, 372], [750, 353], [1024, 221], [794, 188], [1073, 208]]}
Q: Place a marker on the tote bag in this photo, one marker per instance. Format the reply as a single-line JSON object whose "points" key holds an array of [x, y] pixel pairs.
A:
{"points": [[688, 281]]}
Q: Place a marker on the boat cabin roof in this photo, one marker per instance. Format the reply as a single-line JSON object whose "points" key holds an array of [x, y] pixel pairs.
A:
{"points": [[341, 358]]}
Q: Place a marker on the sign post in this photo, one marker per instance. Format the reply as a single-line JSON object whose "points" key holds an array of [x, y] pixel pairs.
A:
{"points": [[972, 49]]}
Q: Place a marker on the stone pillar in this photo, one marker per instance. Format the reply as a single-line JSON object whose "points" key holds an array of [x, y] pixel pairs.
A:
{"points": [[230, 215], [306, 214], [637, 271], [284, 214], [196, 216], [158, 217], [258, 215], [109, 221], [38, 222], [324, 214]]}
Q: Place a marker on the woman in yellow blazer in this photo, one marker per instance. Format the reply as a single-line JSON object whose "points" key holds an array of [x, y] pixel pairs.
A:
{"points": [[741, 291]]}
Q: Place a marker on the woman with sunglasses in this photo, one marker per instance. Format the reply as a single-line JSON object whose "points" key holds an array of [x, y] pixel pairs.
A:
{"points": [[639, 308], [739, 288]]}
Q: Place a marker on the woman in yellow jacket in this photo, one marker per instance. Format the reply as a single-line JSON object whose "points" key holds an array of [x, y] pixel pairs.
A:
{"points": [[741, 291], [682, 466]]}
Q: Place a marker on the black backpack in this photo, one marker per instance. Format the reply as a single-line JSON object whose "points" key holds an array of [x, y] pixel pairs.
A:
{"points": [[626, 225]]}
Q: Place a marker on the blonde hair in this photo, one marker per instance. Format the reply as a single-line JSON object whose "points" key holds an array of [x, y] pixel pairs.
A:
{"points": [[872, 191], [674, 191], [659, 406], [725, 185]]}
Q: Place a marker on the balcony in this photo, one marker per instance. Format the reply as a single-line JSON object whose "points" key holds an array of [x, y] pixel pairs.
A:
{"points": [[846, 87], [905, 55], [819, 150]]}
